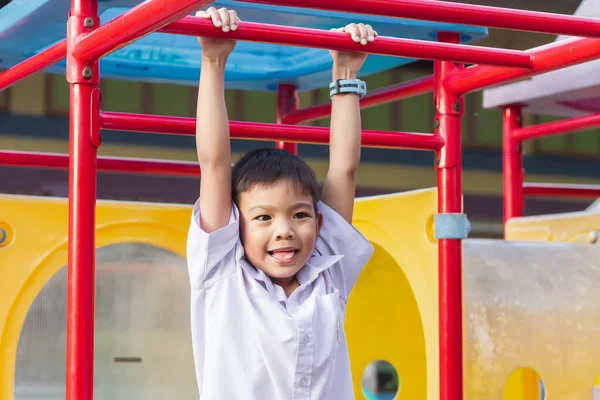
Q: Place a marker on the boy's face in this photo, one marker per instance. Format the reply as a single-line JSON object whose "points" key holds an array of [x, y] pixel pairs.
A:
{"points": [[278, 228]]}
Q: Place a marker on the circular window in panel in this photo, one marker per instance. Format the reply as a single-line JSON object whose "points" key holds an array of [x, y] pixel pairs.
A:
{"points": [[380, 381], [524, 383]]}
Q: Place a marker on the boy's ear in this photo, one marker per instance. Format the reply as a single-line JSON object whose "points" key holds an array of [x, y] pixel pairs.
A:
{"points": [[319, 222]]}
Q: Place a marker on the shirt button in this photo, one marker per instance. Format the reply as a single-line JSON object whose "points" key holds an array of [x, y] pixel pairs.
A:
{"points": [[306, 339], [304, 381]]}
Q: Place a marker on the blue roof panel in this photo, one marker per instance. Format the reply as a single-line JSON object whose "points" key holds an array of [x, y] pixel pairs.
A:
{"points": [[29, 26]]}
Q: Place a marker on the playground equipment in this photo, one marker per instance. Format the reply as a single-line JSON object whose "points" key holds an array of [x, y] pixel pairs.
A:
{"points": [[512, 313]]}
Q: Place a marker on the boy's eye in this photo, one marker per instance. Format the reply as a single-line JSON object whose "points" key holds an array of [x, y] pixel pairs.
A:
{"points": [[263, 218], [301, 215]]}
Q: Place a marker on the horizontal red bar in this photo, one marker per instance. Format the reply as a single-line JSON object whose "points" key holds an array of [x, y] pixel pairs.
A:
{"points": [[555, 128], [561, 190], [266, 132], [446, 11], [381, 96], [36, 63], [545, 58], [109, 164], [133, 24], [317, 38]]}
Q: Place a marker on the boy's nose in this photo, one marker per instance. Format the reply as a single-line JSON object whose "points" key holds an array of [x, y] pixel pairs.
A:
{"points": [[284, 231]]}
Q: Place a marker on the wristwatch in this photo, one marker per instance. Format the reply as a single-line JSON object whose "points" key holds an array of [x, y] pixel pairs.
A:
{"points": [[356, 86]]}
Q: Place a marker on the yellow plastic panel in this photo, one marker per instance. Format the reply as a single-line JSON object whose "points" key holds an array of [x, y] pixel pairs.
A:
{"points": [[392, 312], [576, 227], [38, 249], [531, 304]]}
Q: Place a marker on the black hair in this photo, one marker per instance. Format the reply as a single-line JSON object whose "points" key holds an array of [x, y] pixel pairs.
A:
{"points": [[267, 166]]}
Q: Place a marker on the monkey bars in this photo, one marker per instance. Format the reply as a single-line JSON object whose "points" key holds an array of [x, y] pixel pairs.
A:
{"points": [[176, 58], [447, 11], [87, 41], [334, 40]]}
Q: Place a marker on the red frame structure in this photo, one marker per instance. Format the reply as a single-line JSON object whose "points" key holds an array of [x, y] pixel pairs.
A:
{"points": [[86, 42], [515, 189]]}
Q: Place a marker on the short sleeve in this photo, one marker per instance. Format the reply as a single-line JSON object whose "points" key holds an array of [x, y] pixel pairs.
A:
{"points": [[211, 256], [338, 237]]}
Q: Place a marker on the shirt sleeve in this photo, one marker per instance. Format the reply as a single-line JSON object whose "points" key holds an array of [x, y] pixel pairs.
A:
{"points": [[211, 256], [338, 237]]}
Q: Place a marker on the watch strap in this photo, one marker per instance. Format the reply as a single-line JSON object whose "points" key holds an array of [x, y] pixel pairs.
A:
{"points": [[355, 86]]}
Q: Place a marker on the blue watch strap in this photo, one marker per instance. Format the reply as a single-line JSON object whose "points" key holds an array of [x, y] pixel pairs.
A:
{"points": [[356, 86]]}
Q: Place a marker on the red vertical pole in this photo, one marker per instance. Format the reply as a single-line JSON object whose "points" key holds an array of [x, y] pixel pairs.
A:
{"points": [[449, 108], [512, 164], [83, 142], [287, 102]]}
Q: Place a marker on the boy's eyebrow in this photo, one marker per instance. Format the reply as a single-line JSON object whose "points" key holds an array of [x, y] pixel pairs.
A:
{"points": [[264, 207], [294, 207], [301, 204]]}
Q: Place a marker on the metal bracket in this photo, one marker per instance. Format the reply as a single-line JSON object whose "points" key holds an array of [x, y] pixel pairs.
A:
{"points": [[79, 71], [95, 132], [451, 226]]}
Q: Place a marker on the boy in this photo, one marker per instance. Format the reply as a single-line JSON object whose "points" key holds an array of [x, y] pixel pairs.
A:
{"points": [[271, 267]]}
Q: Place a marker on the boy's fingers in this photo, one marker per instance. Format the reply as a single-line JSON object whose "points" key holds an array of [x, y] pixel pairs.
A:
{"points": [[233, 18], [363, 33], [370, 32], [352, 29], [202, 14], [216, 18], [224, 14]]}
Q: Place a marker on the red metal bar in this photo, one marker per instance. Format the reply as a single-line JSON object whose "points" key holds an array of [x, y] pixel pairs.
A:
{"points": [[317, 38], [287, 101], [545, 58], [557, 127], [267, 132], [449, 176], [84, 139], [381, 96], [512, 164], [446, 11], [33, 64], [106, 164], [561, 190], [139, 21]]}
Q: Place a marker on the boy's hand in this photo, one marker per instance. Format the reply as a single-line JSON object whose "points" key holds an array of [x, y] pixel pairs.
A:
{"points": [[222, 18], [346, 64]]}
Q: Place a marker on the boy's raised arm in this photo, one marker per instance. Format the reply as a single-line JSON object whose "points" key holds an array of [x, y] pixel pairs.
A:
{"points": [[212, 124], [345, 132]]}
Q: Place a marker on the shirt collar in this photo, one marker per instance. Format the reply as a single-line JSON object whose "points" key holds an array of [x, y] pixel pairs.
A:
{"points": [[314, 266], [253, 271]]}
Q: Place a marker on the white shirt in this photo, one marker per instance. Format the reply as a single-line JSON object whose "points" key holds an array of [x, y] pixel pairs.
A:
{"points": [[250, 341]]}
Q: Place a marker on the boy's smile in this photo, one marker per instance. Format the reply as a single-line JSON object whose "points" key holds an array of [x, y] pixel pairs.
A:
{"points": [[284, 255], [278, 228]]}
